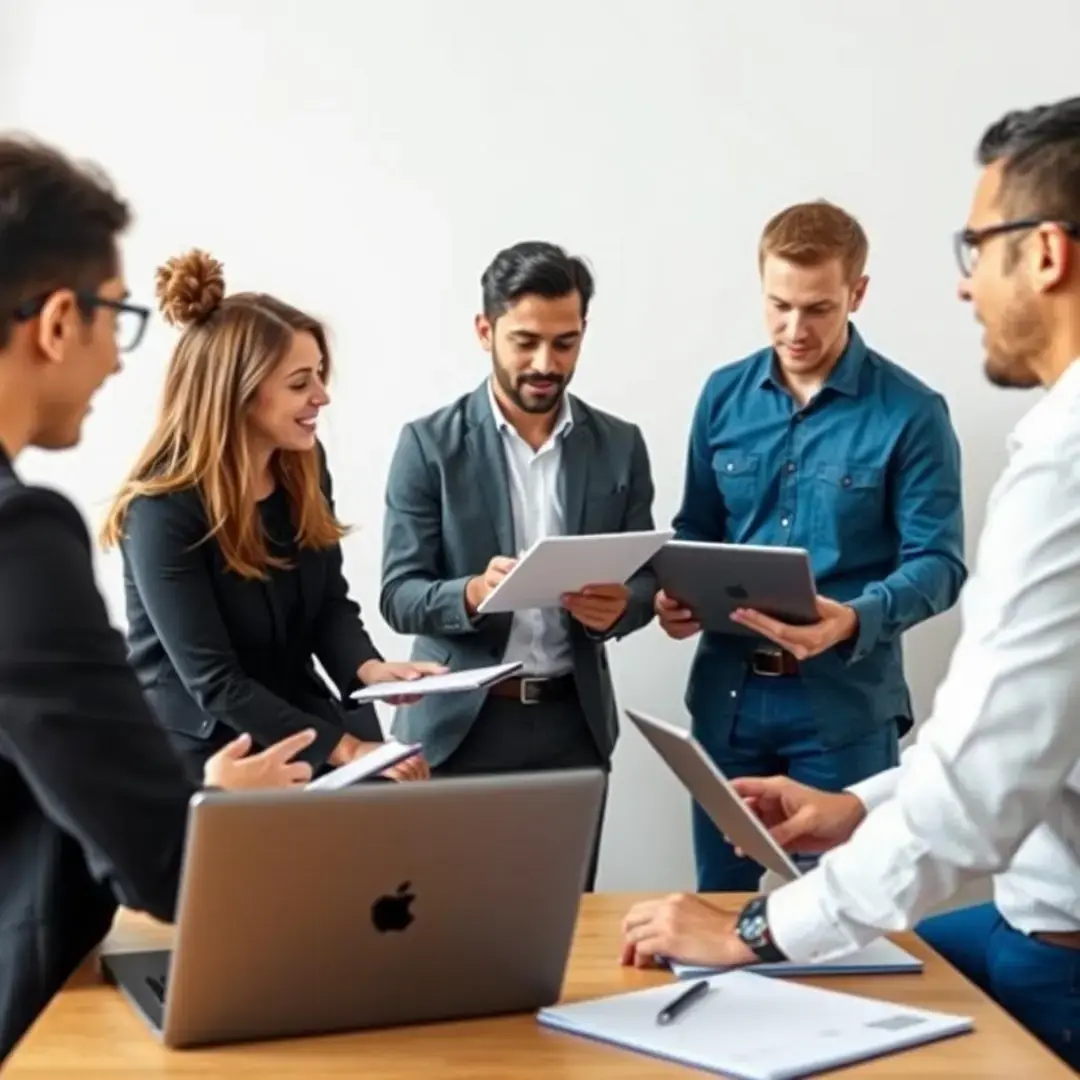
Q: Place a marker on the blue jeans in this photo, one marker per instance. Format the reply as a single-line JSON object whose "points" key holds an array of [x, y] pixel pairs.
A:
{"points": [[1038, 983], [775, 732]]}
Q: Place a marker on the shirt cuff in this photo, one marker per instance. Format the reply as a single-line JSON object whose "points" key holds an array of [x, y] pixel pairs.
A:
{"points": [[871, 612], [876, 789], [799, 926]]}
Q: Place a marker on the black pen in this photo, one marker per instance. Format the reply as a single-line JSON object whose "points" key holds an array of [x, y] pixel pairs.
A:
{"points": [[683, 1002]]}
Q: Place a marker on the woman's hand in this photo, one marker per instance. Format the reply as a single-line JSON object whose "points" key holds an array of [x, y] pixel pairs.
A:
{"points": [[234, 769], [384, 671]]}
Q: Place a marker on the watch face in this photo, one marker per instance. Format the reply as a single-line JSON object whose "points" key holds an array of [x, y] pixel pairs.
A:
{"points": [[754, 927]]}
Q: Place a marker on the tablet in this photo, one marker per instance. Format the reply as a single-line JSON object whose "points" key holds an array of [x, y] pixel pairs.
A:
{"points": [[687, 759], [712, 580]]}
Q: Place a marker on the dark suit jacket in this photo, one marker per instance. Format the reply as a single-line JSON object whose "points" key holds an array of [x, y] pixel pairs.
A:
{"points": [[211, 647], [448, 513], [93, 803]]}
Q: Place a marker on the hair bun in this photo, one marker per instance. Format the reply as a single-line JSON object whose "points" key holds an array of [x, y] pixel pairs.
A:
{"points": [[189, 287]]}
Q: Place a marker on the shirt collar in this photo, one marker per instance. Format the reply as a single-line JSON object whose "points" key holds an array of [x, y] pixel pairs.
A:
{"points": [[844, 377], [1059, 405], [563, 422]]}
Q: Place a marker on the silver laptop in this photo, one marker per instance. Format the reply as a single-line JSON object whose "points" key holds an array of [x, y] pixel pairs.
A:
{"points": [[304, 912], [687, 759]]}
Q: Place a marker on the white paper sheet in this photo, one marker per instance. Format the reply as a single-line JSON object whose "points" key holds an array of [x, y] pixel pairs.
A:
{"points": [[453, 682], [386, 756], [756, 1028], [557, 565]]}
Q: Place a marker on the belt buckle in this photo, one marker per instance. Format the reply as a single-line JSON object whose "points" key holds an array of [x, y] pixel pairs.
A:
{"points": [[526, 694], [775, 658]]}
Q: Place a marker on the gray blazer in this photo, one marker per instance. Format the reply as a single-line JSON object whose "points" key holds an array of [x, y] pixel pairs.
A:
{"points": [[448, 513]]}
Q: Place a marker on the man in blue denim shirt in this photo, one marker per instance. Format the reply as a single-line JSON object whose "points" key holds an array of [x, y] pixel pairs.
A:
{"points": [[816, 442]]}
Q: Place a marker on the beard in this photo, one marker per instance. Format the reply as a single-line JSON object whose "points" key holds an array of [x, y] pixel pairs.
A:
{"points": [[1015, 344], [520, 388]]}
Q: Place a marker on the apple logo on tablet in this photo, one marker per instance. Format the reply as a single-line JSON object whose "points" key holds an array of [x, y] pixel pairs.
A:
{"points": [[391, 912], [737, 592]]}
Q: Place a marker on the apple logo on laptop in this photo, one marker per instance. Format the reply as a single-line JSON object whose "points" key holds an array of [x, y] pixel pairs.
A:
{"points": [[391, 912], [737, 592]]}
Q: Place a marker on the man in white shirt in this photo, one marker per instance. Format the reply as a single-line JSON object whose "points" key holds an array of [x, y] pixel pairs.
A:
{"points": [[991, 785], [479, 481]]}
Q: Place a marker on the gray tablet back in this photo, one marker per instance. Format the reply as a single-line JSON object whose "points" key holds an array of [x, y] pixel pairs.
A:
{"points": [[712, 580]]}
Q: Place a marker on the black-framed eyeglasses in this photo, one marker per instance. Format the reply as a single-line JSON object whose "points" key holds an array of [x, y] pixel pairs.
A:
{"points": [[968, 241], [131, 319]]}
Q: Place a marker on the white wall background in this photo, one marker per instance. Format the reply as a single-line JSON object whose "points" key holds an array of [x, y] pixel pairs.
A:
{"points": [[367, 159]]}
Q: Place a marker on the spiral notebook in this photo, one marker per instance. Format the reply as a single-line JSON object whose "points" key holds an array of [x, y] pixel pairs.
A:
{"points": [[752, 1028]]}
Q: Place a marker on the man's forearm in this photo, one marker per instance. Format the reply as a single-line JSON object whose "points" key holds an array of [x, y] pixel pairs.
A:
{"points": [[918, 590], [433, 608]]}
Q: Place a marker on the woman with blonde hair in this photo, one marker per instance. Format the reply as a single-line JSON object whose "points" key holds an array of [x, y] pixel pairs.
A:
{"points": [[231, 547]]}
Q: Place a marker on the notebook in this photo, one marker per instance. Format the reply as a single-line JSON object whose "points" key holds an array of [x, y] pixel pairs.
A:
{"points": [[452, 682], [880, 957], [752, 1028]]}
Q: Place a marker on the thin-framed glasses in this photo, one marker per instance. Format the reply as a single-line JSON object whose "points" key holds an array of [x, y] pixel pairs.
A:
{"points": [[967, 242], [130, 318]]}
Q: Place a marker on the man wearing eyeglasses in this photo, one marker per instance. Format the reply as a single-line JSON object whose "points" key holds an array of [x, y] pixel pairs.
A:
{"points": [[93, 803], [991, 786]]}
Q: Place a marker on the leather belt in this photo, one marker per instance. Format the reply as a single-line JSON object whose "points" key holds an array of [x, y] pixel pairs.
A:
{"points": [[773, 663], [532, 690], [1067, 939]]}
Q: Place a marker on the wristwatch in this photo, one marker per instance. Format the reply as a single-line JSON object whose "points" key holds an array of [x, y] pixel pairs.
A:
{"points": [[752, 928]]}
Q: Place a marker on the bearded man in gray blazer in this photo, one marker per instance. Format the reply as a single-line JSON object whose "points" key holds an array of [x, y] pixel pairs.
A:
{"points": [[517, 459]]}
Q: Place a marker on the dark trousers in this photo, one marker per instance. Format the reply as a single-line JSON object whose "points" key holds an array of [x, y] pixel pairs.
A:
{"points": [[775, 732], [1035, 981], [509, 736]]}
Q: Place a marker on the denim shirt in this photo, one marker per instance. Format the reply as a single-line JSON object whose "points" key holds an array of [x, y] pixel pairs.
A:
{"points": [[866, 477]]}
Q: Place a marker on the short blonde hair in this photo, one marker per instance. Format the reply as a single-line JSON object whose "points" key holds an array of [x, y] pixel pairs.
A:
{"points": [[811, 233]]}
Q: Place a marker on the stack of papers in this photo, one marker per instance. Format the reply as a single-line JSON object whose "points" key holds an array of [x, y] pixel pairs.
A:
{"points": [[378, 761], [453, 682], [754, 1028], [879, 958]]}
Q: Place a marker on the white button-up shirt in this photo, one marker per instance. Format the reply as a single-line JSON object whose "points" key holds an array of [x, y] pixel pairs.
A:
{"points": [[538, 638], [991, 783]]}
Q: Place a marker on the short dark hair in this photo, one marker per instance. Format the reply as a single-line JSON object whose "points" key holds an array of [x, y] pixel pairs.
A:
{"points": [[534, 267], [1039, 151], [58, 225]]}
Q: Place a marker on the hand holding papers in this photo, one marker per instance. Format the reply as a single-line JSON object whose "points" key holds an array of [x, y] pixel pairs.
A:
{"points": [[453, 682], [389, 754], [558, 565]]}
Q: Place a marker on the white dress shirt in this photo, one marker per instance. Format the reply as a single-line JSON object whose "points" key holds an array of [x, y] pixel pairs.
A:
{"points": [[991, 784], [538, 638]]}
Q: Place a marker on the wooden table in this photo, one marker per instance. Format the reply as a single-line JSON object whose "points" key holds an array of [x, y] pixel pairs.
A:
{"points": [[89, 1030]]}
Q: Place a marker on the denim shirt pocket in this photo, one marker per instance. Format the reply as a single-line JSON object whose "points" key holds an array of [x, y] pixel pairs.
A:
{"points": [[849, 503], [738, 479]]}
